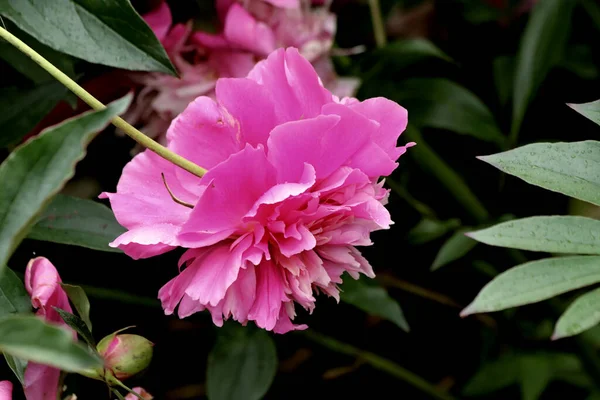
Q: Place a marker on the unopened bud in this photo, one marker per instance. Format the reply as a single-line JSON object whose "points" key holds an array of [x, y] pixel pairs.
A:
{"points": [[125, 355]]}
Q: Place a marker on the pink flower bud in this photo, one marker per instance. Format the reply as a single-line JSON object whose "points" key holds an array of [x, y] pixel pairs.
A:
{"points": [[5, 390], [139, 391], [125, 355]]}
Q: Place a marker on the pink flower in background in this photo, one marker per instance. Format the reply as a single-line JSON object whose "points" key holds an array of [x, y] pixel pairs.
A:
{"points": [[251, 30], [293, 186], [139, 391], [43, 285], [6, 390]]}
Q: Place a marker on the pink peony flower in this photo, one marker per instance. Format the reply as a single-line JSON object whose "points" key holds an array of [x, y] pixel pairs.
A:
{"points": [[293, 186], [43, 285], [139, 391], [251, 30], [6, 390]]}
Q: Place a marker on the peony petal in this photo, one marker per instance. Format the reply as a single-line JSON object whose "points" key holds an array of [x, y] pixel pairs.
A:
{"points": [[293, 83], [204, 133], [159, 20], [391, 118], [147, 241], [6, 388], [270, 295], [250, 167], [240, 295], [243, 31], [41, 382], [216, 272]]}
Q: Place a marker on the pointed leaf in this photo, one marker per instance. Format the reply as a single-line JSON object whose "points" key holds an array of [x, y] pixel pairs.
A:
{"points": [[589, 110], [242, 364], [30, 338], [108, 32], [569, 168], [536, 281], [77, 325], [430, 229], [78, 222], [542, 46], [441, 103], [554, 234], [25, 65], [581, 315], [536, 375], [14, 299], [373, 300], [22, 109], [37, 170], [455, 248], [80, 301], [17, 366]]}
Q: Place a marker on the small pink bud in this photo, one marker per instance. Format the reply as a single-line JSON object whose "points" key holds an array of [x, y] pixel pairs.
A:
{"points": [[141, 392], [125, 355]]}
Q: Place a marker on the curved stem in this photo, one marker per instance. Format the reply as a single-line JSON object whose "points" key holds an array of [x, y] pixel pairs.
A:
{"points": [[97, 105], [378, 25], [380, 363]]}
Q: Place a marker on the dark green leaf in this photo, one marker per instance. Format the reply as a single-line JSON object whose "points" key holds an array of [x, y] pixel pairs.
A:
{"points": [[532, 372], [536, 281], [242, 364], [504, 75], [402, 53], [25, 65], [542, 46], [555, 234], [569, 168], [30, 338], [78, 325], [80, 301], [430, 229], [17, 366], [455, 248], [108, 32], [589, 110], [440, 103], [36, 171], [373, 300], [22, 109], [582, 314], [14, 299], [78, 222]]}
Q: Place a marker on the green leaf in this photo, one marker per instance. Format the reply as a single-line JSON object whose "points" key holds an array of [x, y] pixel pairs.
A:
{"points": [[373, 300], [536, 281], [430, 229], [569, 168], [589, 110], [242, 364], [22, 109], [403, 53], [555, 234], [542, 46], [581, 315], [30, 338], [37, 170], [504, 75], [532, 372], [455, 248], [80, 301], [14, 299], [25, 65], [17, 366], [441, 103], [78, 222], [108, 32], [78, 325]]}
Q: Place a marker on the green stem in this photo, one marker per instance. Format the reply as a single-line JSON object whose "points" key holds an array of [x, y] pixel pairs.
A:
{"points": [[97, 105], [118, 394], [122, 385], [380, 363], [434, 165], [378, 25], [421, 208]]}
